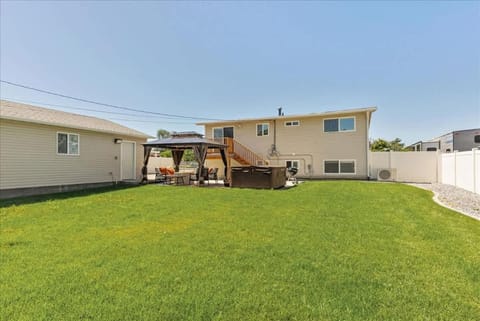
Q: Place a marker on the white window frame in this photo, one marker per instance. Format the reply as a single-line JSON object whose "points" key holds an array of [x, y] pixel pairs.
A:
{"points": [[256, 129], [293, 160], [341, 131], [68, 142], [339, 166], [290, 123], [213, 131]]}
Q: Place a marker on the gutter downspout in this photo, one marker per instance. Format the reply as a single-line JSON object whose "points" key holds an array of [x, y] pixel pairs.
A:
{"points": [[274, 134]]}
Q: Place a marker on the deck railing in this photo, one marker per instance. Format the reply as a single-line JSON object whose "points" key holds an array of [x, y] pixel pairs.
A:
{"points": [[242, 151]]}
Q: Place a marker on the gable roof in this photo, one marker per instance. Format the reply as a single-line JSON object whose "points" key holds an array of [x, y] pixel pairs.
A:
{"points": [[323, 114], [40, 115]]}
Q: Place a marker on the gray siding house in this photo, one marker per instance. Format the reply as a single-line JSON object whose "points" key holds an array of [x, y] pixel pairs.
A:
{"points": [[44, 151], [459, 140]]}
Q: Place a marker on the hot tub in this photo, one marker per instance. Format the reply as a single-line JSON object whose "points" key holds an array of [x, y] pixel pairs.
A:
{"points": [[259, 176]]}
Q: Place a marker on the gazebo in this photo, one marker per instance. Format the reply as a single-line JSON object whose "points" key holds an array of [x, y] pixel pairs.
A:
{"points": [[178, 143]]}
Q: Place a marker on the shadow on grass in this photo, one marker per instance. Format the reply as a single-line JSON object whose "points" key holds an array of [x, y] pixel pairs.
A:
{"points": [[60, 196]]}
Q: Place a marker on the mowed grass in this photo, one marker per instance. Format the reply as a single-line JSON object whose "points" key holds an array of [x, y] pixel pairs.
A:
{"points": [[321, 251]]}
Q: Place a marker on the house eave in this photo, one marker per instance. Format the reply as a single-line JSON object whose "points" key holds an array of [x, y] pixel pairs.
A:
{"points": [[290, 117], [40, 122]]}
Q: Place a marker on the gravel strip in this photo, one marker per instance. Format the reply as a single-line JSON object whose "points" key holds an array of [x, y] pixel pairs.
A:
{"points": [[458, 199]]}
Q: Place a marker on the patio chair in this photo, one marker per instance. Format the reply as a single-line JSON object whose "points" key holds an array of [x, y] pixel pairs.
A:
{"points": [[196, 177], [159, 176], [213, 174]]}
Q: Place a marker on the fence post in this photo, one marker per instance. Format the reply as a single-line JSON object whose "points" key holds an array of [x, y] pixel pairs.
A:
{"points": [[455, 168], [390, 159], [474, 170], [439, 159]]}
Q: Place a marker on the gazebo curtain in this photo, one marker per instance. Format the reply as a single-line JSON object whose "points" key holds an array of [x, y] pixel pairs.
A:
{"points": [[146, 156], [200, 152], [177, 155], [224, 159]]}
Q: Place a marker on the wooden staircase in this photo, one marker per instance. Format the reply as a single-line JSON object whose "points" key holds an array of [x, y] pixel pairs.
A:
{"points": [[237, 151]]}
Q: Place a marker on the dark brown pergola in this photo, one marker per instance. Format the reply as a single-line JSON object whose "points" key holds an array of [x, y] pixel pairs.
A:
{"points": [[178, 143]]}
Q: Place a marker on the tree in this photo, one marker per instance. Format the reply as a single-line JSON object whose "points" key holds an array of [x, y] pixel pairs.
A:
{"points": [[382, 145], [379, 145], [397, 145], [163, 133], [187, 155]]}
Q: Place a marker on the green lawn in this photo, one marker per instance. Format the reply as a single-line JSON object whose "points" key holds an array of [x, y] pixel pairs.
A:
{"points": [[326, 250]]}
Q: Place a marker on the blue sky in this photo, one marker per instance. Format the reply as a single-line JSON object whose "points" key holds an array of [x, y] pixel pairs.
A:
{"points": [[419, 62]]}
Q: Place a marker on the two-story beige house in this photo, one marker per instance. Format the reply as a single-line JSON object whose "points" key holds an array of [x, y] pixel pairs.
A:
{"points": [[331, 144]]}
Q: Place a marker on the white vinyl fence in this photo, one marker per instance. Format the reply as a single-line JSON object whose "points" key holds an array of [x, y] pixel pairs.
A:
{"points": [[413, 167], [461, 169]]}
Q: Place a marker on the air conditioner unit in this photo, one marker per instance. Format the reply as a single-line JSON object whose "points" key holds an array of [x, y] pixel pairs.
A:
{"points": [[387, 174]]}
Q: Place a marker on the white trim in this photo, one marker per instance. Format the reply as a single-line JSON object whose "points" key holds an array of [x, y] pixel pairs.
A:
{"points": [[68, 135], [328, 113], [134, 158], [291, 123], [256, 129], [341, 131], [339, 166]]}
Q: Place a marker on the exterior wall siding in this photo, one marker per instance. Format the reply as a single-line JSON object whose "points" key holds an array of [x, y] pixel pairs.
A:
{"points": [[28, 156], [306, 143], [465, 140]]}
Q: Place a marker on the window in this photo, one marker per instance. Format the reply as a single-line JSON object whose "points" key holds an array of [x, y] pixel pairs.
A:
{"points": [[330, 125], [217, 133], [339, 124], [292, 123], [431, 149], [476, 138], [262, 129], [339, 167], [68, 144], [291, 164]]}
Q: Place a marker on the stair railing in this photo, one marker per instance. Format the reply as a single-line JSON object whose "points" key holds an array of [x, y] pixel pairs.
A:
{"points": [[242, 151]]}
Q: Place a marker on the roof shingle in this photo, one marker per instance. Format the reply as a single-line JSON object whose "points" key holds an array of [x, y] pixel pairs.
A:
{"points": [[28, 113]]}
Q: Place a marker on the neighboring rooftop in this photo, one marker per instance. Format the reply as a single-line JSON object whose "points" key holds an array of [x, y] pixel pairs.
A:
{"points": [[40, 115], [326, 113]]}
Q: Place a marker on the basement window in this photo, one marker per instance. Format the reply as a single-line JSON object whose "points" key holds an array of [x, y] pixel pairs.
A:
{"points": [[291, 164], [339, 166], [68, 144]]}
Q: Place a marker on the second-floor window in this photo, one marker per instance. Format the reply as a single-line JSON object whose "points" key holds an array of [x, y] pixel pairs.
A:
{"points": [[262, 129], [291, 123], [344, 124], [68, 144]]}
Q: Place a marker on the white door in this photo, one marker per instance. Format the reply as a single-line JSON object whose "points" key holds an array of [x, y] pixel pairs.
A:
{"points": [[128, 160]]}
